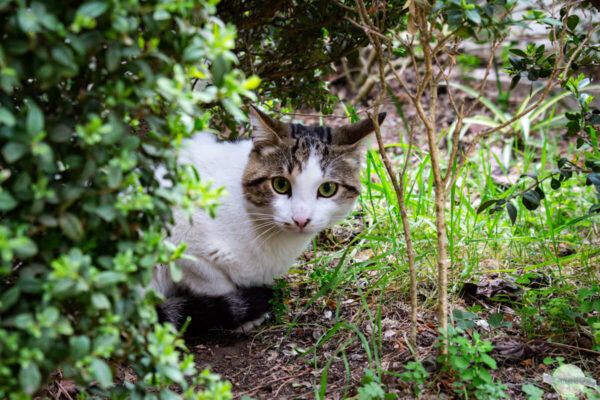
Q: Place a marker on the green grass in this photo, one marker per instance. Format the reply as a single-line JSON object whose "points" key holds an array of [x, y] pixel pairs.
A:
{"points": [[373, 270]]}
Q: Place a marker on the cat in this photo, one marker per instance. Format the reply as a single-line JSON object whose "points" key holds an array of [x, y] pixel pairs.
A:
{"points": [[283, 186]]}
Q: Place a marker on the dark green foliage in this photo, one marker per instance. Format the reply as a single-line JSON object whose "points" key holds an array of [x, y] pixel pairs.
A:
{"points": [[582, 125], [93, 97], [291, 45]]}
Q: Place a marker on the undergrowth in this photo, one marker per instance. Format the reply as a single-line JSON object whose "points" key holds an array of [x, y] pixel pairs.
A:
{"points": [[549, 255]]}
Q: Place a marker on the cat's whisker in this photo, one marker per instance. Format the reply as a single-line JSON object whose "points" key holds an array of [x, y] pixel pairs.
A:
{"points": [[263, 225], [268, 232], [263, 218], [255, 213], [266, 239]]}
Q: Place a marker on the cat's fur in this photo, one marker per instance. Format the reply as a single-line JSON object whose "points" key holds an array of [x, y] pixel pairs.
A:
{"points": [[257, 233]]}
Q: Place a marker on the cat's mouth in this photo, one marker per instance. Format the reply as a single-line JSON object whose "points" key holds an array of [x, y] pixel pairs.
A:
{"points": [[294, 228]]}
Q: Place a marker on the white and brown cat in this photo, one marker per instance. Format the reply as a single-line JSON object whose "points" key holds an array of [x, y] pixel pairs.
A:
{"points": [[283, 186]]}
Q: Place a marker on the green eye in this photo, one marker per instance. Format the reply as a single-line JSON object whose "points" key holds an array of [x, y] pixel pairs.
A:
{"points": [[281, 185], [328, 189]]}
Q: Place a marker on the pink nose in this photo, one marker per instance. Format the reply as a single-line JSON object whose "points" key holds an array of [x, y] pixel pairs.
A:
{"points": [[301, 222]]}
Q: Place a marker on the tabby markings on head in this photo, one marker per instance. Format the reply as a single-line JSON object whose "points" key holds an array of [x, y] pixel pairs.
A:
{"points": [[284, 150], [322, 133]]}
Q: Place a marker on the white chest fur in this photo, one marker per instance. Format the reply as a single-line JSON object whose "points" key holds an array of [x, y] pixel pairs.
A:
{"points": [[229, 250]]}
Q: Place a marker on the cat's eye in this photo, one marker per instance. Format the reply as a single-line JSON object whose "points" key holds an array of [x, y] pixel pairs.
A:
{"points": [[328, 189], [281, 185]]}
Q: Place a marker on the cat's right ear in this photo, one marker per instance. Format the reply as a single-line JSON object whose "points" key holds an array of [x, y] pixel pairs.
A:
{"points": [[266, 130]]}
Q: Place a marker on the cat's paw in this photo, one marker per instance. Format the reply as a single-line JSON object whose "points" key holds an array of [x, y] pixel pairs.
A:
{"points": [[250, 325]]}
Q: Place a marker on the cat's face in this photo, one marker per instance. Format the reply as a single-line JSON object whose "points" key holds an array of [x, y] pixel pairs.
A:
{"points": [[302, 179]]}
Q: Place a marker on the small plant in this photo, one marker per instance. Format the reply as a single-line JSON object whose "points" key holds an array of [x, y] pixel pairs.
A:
{"points": [[371, 388], [581, 125], [547, 310], [470, 362], [532, 392], [415, 373], [278, 307], [589, 299]]}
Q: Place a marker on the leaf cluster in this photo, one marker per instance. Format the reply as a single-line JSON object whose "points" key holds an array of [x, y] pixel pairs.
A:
{"points": [[292, 45], [470, 362], [95, 99]]}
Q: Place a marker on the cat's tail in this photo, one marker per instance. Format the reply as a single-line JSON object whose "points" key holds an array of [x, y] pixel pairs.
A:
{"points": [[208, 313]]}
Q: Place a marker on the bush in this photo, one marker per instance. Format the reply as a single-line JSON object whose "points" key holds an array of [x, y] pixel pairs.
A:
{"points": [[93, 97]]}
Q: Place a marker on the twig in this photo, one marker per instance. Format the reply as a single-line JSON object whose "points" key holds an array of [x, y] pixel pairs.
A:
{"points": [[398, 187], [566, 346], [365, 110], [347, 75], [271, 381]]}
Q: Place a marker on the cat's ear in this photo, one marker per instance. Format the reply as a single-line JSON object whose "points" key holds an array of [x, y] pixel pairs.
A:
{"points": [[266, 130], [354, 133]]}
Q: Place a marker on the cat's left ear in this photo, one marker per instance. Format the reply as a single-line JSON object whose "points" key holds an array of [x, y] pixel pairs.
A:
{"points": [[354, 133], [266, 130]]}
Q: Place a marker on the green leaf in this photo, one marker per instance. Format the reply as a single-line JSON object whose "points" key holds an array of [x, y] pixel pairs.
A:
{"points": [[593, 179], [114, 175], [63, 55], [71, 227], [533, 392], [459, 362], [252, 82], [9, 298], [101, 372], [551, 21], [30, 378], [572, 21], [107, 212], [220, 67], [172, 373], [473, 16], [100, 301], [489, 361], [515, 80], [107, 278], [531, 200], [12, 151], [519, 52], [7, 118], [512, 212], [597, 305], [27, 20], [93, 9], [484, 375], [7, 202], [80, 346], [495, 319], [486, 204], [34, 122], [555, 184], [176, 273], [26, 248], [540, 192], [113, 57]]}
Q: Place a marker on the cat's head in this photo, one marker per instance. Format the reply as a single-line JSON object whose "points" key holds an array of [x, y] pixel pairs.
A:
{"points": [[303, 178]]}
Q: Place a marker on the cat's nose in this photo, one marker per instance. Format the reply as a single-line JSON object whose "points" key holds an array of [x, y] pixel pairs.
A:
{"points": [[301, 222]]}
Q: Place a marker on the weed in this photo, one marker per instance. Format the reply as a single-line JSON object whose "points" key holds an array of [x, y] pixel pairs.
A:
{"points": [[532, 392], [415, 373], [371, 388], [469, 362]]}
